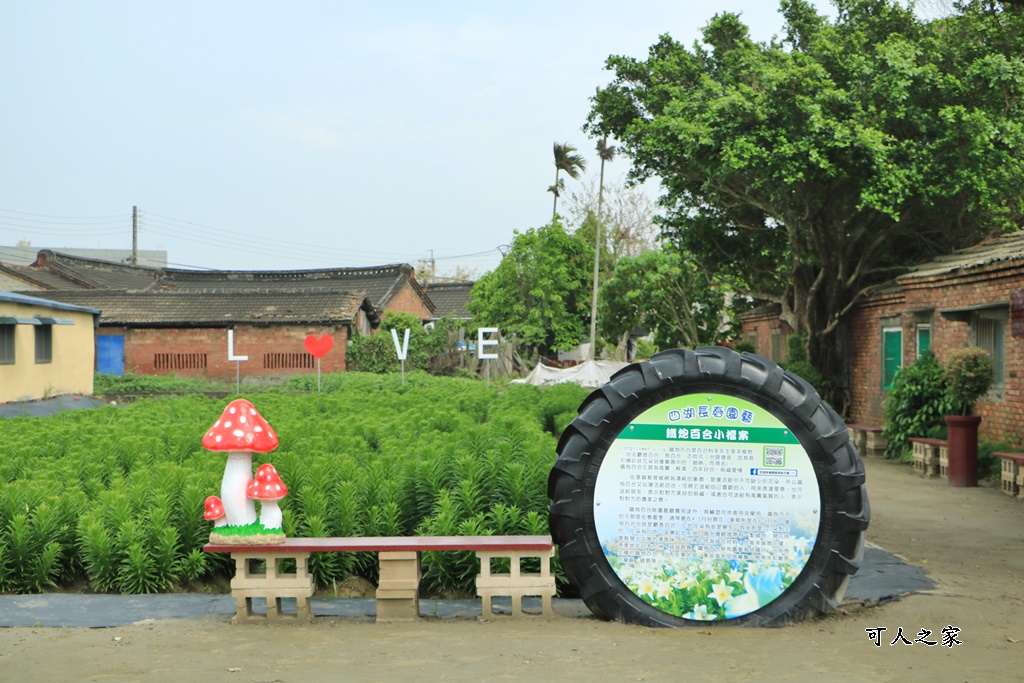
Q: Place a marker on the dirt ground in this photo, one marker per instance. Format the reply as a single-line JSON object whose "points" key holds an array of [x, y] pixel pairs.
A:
{"points": [[970, 541]]}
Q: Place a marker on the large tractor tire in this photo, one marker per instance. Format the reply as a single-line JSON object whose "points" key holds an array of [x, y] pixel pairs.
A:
{"points": [[680, 573]]}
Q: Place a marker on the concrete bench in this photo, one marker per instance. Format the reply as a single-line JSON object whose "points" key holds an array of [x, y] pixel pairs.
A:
{"points": [[1011, 476], [931, 456], [400, 572], [868, 439]]}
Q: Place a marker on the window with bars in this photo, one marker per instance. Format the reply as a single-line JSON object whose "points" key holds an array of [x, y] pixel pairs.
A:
{"points": [[989, 331], [288, 361], [44, 343], [6, 344], [778, 346], [179, 361]]}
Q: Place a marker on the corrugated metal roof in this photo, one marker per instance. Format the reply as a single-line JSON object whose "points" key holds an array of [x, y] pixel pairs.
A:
{"points": [[195, 309], [995, 250], [28, 300]]}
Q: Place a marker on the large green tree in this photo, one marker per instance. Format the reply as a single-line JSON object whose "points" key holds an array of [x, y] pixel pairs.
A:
{"points": [[540, 292], [818, 165], [666, 293]]}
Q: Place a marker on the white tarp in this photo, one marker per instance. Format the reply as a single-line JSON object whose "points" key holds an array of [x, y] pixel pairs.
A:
{"points": [[588, 374]]}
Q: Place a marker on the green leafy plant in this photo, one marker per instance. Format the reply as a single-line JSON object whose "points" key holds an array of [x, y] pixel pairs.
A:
{"points": [[798, 364], [969, 375], [114, 496], [916, 404]]}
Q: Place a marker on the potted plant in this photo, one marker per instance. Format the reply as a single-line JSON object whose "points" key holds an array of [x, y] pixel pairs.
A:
{"points": [[969, 374]]}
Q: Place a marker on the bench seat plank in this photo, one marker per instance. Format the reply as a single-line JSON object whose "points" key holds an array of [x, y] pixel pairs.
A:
{"points": [[390, 544]]}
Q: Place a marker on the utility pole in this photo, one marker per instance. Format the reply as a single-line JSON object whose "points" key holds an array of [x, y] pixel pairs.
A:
{"points": [[135, 235]]}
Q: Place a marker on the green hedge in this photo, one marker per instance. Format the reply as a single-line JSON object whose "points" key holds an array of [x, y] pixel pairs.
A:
{"points": [[115, 496]]}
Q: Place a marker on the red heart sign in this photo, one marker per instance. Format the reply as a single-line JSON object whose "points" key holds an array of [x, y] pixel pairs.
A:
{"points": [[319, 347]]}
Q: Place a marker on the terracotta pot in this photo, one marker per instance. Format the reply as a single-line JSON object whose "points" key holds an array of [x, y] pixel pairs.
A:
{"points": [[963, 449]]}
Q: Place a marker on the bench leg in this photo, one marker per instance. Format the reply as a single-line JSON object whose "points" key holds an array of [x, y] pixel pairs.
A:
{"points": [[515, 584], [399, 587], [271, 585]]}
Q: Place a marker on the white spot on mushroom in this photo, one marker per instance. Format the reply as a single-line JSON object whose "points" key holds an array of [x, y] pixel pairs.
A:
{"points": [[252, 410], [216, 424], [219, 438], [242, 419], [227, 425], [270, 434], [231, 410], [239, 433], [257, 429]]}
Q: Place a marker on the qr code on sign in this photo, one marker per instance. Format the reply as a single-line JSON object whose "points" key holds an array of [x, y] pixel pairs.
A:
{"points": [[774, 456]]}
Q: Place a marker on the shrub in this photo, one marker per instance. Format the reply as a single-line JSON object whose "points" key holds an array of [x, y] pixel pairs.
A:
{"points": [[798, 363], [990, 467], [744, 346], [969, 375], [916, 405]]}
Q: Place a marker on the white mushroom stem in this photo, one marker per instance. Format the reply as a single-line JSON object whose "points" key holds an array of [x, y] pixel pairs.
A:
{"points": [[220, 521], [238, 509], [270, 514]]}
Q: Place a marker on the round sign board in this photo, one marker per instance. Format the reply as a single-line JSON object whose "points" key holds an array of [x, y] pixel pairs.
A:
{"points": [[707, 486]]}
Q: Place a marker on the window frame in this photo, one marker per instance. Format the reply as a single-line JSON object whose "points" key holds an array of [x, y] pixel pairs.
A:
{"points": [[44, 343], [8, 346], [992, 342], [889, 329]]}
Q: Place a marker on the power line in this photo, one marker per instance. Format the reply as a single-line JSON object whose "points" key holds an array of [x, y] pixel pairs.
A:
{"points": [[65, 218]]}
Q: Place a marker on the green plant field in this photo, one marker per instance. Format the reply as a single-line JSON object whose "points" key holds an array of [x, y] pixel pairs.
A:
{"points": [[114, 496]]}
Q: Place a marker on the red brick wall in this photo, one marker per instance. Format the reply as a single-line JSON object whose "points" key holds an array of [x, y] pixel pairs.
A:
{"points": [[764, 324], [920, 300], [182, 345], [865, 346], [978, 288], [408, 300]]}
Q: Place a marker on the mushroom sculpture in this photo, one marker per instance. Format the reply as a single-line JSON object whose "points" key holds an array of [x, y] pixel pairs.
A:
{"points": [[268, 488], [215, 511], [241, 431]]}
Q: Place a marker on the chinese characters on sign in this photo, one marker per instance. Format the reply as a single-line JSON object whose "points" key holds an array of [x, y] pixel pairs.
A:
{"points": [[948, 637], [705, 488]]}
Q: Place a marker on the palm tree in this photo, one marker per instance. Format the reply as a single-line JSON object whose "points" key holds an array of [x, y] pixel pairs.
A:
{"points": [[566, 160], [606, 153]]}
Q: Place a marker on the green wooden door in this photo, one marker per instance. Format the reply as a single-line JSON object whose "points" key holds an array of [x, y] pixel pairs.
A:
{"points": [[892, 354]]}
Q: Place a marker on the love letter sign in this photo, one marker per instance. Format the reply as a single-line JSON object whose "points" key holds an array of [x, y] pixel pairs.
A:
{"points": [[319, 347]]}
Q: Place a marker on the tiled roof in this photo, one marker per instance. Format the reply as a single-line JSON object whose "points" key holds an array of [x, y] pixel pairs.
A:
{"points": [[93, 273], [40, 278], [1007, 247], [59, 271], [380, 283], [198, 309], [450, 299]]}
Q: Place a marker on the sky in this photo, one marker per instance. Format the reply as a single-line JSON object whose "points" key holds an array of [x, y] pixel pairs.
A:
{"points": [[312, 134]]}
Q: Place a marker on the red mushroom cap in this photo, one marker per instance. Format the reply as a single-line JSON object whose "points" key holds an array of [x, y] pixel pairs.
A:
{"points": [[214, 508], [267, 485], [240, 428]]}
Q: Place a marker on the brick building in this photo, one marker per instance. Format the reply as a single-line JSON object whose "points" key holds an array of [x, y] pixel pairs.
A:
{"points": [[172, 321], [768, 333], [973, 297]]}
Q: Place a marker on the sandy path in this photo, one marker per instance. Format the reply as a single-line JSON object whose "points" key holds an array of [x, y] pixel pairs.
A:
{"points": [[971, 542]]}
